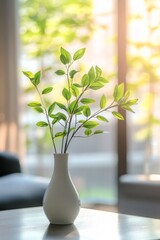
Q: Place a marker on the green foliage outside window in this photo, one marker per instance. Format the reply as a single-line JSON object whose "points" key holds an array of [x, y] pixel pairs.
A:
{"points": [[47, 25], [144, 62]]}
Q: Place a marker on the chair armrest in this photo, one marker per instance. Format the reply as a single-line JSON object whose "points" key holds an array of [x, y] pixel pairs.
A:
{"points": [[9, 163]]}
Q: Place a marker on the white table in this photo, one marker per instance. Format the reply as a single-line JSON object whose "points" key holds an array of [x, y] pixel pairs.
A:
{"points": [[31, 224]]}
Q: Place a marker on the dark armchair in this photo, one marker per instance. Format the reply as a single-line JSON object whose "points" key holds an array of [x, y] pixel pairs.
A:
{"points": [[18, 190], [9, 163]]}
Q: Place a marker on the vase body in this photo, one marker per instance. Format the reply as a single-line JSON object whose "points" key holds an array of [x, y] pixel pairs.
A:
{"points": [[61, 202]]}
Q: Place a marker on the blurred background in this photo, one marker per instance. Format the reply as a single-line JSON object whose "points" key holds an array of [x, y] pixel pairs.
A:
{"points": [[121, 37]]}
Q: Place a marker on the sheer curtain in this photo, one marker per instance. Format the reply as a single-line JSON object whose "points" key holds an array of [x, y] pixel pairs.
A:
{"points": [[9, 127]]}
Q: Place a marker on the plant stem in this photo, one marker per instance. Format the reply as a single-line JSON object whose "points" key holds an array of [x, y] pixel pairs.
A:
{"points": [[47, 117], [62, 146], [68, 102], [71, 117], [112, 105]]}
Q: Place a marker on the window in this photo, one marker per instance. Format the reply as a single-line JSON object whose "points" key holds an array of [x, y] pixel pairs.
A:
{"points": [[143, 76], [93, 169]]}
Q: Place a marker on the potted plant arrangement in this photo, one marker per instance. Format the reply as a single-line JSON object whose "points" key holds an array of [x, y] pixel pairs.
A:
{"points": [[61, 201]]}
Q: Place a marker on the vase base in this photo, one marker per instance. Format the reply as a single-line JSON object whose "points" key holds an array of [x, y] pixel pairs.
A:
{"points": [[61, 224]]}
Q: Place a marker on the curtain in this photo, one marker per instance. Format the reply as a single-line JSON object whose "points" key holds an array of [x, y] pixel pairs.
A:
{"points": [[9, 126]]}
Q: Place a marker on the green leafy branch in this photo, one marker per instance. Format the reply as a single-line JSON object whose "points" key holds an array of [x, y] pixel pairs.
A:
{"points": [[77, 114]]}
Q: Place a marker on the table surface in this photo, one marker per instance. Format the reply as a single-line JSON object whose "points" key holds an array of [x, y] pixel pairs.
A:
{"points": [[31, 223]]}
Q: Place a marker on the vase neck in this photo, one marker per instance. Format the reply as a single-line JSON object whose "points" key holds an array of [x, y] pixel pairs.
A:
{"points": [[61, 164], [61, 156]]}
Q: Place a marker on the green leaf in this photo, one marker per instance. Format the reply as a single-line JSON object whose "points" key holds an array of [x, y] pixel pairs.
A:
{"points": [[37, 77], [77, 85], [28, 74], [72, 129], [98, 132], [75, 91], [73, 106], [88, 132], [61, 116], [38, 109], [47, 90], [63, 59], [72, 73], [51, 108], [132, 102], [87, 100], [60, 72], [65, 56], [126, 95], [102, 80], [79, 54], [118, 115], [125, 106], [66, 94], [58, 116], [79, 110], [103, 101], [86, 111], [52, 116], [60, 134], [62, 106], [101, 118], [98, 71], [115, 92], [96, 85], [55, 120], [118, 92], [85, 80], [90, 124], [81, 121], [34, 104], [41, 124], [91, 75]]}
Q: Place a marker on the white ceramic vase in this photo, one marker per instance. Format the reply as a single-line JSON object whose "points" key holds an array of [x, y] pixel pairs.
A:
{"points": [[61, 202]]}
